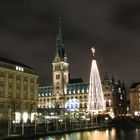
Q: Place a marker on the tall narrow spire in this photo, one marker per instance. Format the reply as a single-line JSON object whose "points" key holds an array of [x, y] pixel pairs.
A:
{"points": [[60, 52], [60, 70]]}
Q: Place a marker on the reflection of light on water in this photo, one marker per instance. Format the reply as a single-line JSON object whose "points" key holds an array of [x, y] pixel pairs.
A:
{"points": [[101, 135], [78, 136], [137, 132], [113, 132], [107, 133], [104, 134], [41, 139], [98, 135], [86, 135]]}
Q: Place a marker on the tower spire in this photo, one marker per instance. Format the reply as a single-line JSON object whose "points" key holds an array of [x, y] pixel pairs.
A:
{"points": [[60, 70], [60, 51]]}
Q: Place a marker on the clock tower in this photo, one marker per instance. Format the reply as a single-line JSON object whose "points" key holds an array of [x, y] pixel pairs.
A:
{"points": [[60, 71]]}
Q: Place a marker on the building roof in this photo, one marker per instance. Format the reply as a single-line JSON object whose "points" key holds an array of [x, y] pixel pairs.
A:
{"points": [[76, 80], [13, 62], [134, 85]]}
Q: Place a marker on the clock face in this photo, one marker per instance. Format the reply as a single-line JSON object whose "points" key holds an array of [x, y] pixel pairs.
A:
{"points": [[57, 76]]}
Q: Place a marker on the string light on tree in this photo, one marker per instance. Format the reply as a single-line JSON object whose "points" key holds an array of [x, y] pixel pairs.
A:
{"points": [[93, 51], [96, 100]]}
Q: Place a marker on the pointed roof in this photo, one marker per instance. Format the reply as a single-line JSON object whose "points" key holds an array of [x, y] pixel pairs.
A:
{"points": [[6, 60], [60, 51], [134, 85], [113, 80]]}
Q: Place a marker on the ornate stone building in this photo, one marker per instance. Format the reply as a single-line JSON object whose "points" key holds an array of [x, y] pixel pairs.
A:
{"points": [[134, 94], [115, 96], [73, 94], [18, 89], [60, 72]]}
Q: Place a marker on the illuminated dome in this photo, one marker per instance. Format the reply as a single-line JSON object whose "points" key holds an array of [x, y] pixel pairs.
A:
{"points": [[72, 104]]}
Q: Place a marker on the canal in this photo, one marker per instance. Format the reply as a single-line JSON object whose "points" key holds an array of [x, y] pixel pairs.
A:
{"points": [[103, 134]]}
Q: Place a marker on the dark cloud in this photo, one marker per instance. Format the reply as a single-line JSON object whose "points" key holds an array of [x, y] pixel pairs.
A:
{"points": [[128, 16], [28, 29]]}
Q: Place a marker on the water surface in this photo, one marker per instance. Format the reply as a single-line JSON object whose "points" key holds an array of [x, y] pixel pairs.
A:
{"points": [[104, 134]]}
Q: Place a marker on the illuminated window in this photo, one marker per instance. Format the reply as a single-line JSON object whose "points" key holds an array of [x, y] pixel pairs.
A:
{"points": [[19, 68], [119, 90], [78, 91], [69, 92]]}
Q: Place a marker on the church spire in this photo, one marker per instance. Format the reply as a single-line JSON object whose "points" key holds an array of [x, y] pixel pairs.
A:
{"points": [[60, 51]]}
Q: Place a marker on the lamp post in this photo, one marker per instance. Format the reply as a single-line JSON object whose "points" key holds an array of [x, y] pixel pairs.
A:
{"points": [[22, 125], [35, 117], [24, 120], [52, 119], [65, 120]]}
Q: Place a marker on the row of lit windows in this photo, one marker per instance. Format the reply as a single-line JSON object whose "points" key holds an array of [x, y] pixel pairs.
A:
{"points": [[77, 91], [70, 89], [10, 83], [46, 94], [18, 68], [18, 77], [80, 97], [51, 106], [69, 92]]}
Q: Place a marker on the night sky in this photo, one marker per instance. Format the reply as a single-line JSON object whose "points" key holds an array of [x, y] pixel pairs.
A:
{"points": [[28, 34]]}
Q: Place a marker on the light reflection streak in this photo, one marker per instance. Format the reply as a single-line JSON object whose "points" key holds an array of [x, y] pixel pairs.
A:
{"points": [[104, 134]]}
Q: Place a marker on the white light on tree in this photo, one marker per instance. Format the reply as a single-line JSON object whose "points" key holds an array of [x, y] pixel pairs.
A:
{"points": [[19, 68], [96, 100]]}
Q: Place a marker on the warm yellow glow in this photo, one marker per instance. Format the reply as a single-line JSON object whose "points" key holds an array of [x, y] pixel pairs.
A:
{"points": [[32, 117], [17, 117], [137, 113], [25, 117]]}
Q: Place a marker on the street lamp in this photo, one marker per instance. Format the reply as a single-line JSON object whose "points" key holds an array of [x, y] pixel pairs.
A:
{"points": [[9, 121], [24, 120], [65, 120]]}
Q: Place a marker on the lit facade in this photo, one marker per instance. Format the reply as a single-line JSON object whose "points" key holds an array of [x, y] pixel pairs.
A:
{"points": [[18, 89], [77, 89], [134, 94], [115, 99], [73, 94], [60, 71], [116, 96]]}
